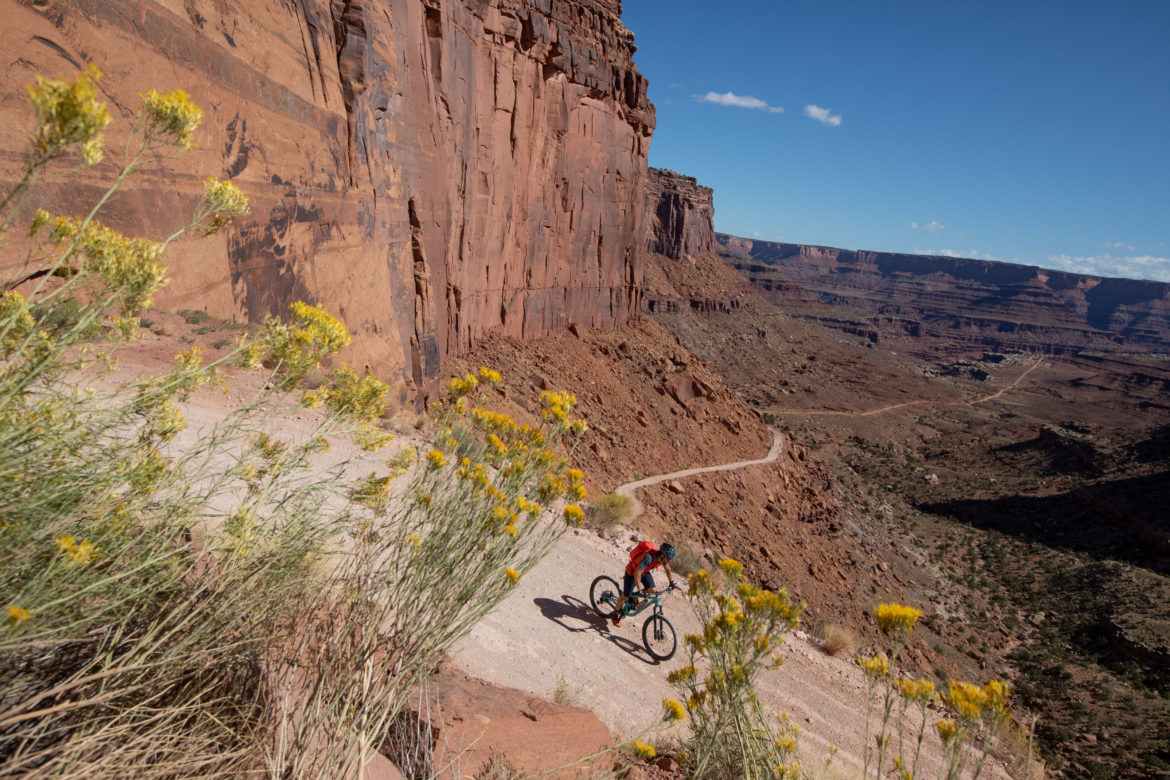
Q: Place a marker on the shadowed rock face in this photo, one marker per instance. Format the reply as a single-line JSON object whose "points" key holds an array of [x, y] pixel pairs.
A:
{"points": [[428, 170], [958, 304]]}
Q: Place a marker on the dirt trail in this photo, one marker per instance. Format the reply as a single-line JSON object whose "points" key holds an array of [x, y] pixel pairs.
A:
{"points": [[629, 489], [990, 397], [546, 639]]}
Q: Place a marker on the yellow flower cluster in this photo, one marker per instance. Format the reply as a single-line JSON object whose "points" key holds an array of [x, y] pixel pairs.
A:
{"points": [[373, 493], [190, 359], [965, 699], [435, 459], [361, 398], [574, 515], [673, 710], [313, 335], [916, 690], [489, 376], [69, 113], [550, 488], [79, 553], [557, 405], [129, 266], [731, 567], [686, 674], [17, 615], [947, 730], [512, 576], [875, 666], [222, 200], [458, 388], [642, 750], [170, 116], [493, 422], [16, 321], [896, 619], [700, 583]]}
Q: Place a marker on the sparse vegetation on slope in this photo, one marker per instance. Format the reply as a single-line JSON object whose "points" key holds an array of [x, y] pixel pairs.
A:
{"points": [[224, 606]]}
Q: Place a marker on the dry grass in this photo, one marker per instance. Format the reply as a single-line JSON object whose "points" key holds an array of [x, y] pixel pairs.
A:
{"points": [[608, 512], [498, 767], [566, 695], [686, 560], [1016, 747], [839, 640]]}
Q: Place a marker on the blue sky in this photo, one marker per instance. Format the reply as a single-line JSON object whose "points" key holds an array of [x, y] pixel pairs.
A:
{"points": [[1029, 132]]}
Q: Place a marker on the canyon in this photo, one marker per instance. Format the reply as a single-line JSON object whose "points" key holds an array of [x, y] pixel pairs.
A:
{"points": [[465, 183], [961, 305]]}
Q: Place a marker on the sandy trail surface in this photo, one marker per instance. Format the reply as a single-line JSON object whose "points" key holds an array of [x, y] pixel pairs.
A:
{"points": [[546, 637]]}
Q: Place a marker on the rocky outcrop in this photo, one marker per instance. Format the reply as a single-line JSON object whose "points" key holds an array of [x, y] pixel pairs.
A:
{"points": [[963, 305], [680, 215], [680, 235], [431, 170], [476, 726]]}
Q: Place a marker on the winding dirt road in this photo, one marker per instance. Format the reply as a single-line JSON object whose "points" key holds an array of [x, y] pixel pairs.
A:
{"points": [[984, 399], [628, 489]]}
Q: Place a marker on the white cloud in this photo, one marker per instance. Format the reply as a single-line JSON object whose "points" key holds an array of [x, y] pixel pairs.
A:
{"points": [[1118, 245], [822, 115], [739, 101], [929, 227], [1134, 267], [970, 254]]}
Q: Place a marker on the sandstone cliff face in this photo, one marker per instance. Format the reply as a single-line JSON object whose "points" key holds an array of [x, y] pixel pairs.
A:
{"points": [[970, 305], [431, 170], [680, 215]]}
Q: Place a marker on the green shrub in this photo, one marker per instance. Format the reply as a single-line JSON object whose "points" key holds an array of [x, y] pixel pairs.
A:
{"points": [[194, 316]]}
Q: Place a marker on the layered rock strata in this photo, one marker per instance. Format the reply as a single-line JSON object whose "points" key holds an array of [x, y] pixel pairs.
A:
{"points": [[430, 170], [963, 305], [680, 215]]}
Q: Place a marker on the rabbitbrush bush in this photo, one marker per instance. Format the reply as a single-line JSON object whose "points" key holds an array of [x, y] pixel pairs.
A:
{"points": [[223, 607], [734, 738]]}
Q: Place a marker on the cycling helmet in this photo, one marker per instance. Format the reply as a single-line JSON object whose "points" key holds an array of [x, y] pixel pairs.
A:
{"points": [[667, 551]]}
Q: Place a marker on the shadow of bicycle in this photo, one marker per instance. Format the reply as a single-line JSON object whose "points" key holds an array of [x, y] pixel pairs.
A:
{"points": [[572, 614]]}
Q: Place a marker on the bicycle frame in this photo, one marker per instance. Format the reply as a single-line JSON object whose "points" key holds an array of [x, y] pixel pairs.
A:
{"points": [[647, 601]]}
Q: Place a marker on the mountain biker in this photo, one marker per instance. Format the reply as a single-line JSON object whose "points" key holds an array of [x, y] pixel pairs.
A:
{"points": [[643, 558]]}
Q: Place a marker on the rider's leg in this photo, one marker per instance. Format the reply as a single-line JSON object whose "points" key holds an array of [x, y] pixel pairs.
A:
{"points": [[627, 591], [647, 582]]}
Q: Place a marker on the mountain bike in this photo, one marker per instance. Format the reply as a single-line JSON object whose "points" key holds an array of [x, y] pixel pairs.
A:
{"points": [[658, 634]]}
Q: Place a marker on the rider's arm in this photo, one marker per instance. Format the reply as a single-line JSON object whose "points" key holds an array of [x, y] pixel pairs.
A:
{"points": [[669, 573]]}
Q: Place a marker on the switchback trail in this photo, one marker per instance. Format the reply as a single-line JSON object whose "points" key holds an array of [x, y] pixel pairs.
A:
{"points": [[629, 488]]}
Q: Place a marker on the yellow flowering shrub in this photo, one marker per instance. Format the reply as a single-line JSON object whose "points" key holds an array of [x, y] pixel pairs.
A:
{"points": [[742, 626], [171, 117], [68, 113]]}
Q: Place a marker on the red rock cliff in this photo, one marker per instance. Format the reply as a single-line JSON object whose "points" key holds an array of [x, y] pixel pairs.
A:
{"points": [[429, 169], [680, 215]]}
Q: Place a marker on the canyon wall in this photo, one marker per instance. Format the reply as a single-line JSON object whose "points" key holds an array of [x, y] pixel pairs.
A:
{"points": [[430, 170], [680, 215], [959, 304]]}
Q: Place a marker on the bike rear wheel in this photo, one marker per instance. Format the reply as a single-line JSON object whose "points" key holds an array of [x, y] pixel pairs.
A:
{"points": [[603, 595], [659, 637]]}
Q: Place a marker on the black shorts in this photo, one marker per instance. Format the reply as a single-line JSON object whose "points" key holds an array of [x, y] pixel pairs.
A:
{"points": [[628, 583]]}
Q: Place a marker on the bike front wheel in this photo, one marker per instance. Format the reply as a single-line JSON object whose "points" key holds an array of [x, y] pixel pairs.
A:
{"points": [[603, 595], [659, 637]]}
